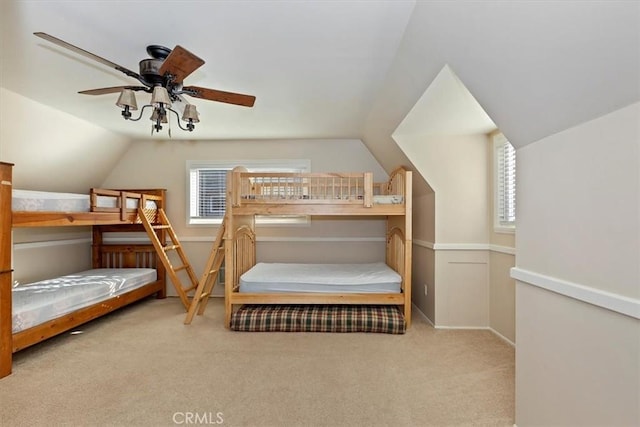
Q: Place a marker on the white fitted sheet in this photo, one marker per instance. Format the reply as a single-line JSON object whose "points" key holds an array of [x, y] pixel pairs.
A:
{"points": [[38, 302], [41, 201], [324, 278]]}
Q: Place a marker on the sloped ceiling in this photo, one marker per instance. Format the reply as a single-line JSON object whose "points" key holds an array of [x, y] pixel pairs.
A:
{"points": [[314, 66], [329, 69], [536, 68]]}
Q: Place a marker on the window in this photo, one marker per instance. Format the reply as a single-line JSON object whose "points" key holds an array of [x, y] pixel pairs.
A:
{"points": [[505, 184], [207, 188]]}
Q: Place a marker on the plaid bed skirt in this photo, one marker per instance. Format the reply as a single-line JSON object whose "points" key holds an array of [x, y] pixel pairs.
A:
{"points": [[386, 319]]}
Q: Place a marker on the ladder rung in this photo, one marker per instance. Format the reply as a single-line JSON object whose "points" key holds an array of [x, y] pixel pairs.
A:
{"points": [[160, 227], [182, 267], [190, 288], [203, 296], [171, 247]]}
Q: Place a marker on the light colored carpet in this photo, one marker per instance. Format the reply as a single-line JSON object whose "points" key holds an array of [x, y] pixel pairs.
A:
{"points": [[141, 366]]}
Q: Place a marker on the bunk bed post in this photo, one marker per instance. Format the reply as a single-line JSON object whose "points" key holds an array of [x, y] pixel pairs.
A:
{"points": [[6, 339], [229, 259], [96, 244], [368, 189], [408, 243]]}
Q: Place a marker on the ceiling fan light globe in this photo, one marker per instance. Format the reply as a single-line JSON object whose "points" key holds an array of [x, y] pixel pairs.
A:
{"points": [[160, 96], [154, 117], [190, 113], [127, 98]]}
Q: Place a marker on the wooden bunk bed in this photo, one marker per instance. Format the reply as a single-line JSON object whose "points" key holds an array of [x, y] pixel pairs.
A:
{"points": [[330, 194], [120, 214]]}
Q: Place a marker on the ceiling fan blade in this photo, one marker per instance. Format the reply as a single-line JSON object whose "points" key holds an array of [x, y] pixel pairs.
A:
{"points": [[220, 96], [87, 54], [180, 63], [114, 89]]}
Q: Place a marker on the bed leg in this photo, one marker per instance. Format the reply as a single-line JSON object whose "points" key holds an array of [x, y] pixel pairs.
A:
{"points": [[228, 308], [6, 359], [407, 315]]}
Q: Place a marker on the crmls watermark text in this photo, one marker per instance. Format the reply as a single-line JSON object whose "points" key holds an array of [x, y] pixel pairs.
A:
{"points": [[198, 418]]}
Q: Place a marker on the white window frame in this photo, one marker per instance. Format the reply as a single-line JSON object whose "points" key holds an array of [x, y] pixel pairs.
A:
{"points": [[271, 165], [505, 199]]}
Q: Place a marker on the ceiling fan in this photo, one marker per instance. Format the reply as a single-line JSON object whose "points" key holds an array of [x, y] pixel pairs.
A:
{"points": [[163, 76]]}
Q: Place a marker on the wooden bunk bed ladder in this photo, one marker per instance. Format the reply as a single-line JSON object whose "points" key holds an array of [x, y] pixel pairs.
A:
{"points": [[162, 223], [209, 277]]}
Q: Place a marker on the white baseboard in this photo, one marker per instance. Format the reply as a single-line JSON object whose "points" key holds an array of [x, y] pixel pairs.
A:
{"points": [[502, 337], [479, 328]]}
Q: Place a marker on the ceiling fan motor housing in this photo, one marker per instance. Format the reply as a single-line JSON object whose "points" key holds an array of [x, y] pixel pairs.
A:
{"points": [[150, 70]]}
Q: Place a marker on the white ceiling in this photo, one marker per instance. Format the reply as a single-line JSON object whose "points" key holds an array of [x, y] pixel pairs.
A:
{"points": [[315, 67]]}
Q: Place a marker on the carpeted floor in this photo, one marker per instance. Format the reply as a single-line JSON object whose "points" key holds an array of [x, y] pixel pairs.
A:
{"points": [[141, 366]]}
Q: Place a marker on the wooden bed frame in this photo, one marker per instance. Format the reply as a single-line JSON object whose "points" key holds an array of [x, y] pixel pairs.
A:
{"points": [[103, 256], [353, 194]]}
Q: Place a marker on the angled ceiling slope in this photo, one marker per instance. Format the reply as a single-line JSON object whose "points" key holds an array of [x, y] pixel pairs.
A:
{"points": [[314, 66]]}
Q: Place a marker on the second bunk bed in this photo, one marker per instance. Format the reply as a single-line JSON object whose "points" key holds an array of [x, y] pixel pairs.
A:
{"points": [[373, 297], [120, 273]]}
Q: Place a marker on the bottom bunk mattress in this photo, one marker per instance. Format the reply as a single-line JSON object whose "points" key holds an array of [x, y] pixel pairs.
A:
{"points": [[325, 278], [319, 318], [39, 302]]}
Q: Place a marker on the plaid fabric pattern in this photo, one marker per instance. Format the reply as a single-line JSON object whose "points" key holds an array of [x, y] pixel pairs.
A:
{"points": [[386, 319]]}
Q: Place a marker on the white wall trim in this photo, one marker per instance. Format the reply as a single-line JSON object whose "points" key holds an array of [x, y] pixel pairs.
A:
{"points": [[611, 301], [50, 243], [503, 249], [465, 247], [423, 243], [461, 246], [320, 239], [296, 239]]}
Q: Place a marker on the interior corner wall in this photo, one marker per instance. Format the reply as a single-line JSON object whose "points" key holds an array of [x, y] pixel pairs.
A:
{"points": [[502, 258], [578, 354], [423, 255], [455, 167]]}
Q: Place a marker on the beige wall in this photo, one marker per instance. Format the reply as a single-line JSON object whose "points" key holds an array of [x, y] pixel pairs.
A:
{"points": [[578, 240], [53, 151], [450, 218], [502, 288], [424, 215], [163, 164], [456, 169], [462, 288], [43, 253]]}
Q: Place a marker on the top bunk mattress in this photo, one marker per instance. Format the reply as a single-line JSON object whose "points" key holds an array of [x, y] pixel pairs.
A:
{"points": [[323, 278], [44, 201], [38, 302]]}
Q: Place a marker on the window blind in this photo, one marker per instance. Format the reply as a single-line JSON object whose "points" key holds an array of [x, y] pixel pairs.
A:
{"points": [[506, 183], [208, 192], [207, 189]]}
